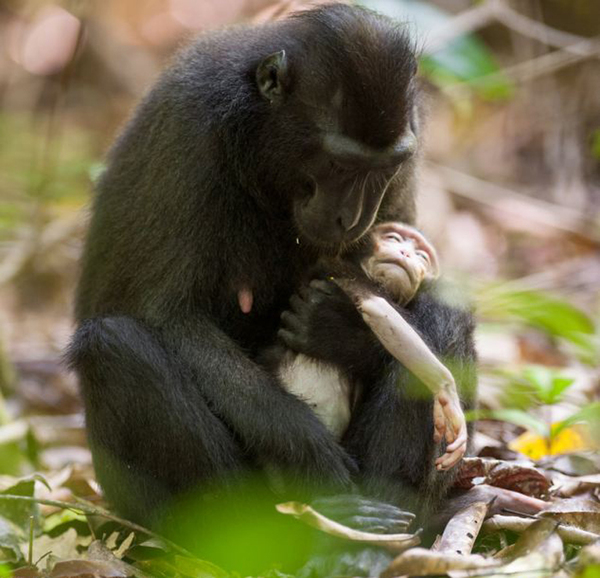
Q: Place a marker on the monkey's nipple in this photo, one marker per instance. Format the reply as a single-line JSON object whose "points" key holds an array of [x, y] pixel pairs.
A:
{"points": [[245, 300]]}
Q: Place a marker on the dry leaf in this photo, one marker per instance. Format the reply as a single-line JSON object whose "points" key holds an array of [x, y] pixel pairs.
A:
{"points": [[462, 530], [451, 552], [579, 512], [569, 534], [538, 551], [422, 562], [63, 546], [88, 569], [515, 476]]}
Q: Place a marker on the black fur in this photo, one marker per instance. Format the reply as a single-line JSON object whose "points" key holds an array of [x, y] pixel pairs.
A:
{"points": [[392, 405], [205, 193]]}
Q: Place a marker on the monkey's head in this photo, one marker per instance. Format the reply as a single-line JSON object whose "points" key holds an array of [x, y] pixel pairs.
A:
{"points": [[341, 106], [401, 259]]}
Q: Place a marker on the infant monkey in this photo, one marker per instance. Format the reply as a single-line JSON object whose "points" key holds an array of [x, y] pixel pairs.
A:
{"points": [[398, 261], [401, 260]]}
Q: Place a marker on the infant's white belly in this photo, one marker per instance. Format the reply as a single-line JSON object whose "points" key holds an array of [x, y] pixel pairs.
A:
{"points": [[322, 387]]}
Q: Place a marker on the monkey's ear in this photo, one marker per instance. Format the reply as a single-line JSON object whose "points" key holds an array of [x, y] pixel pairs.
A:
{"points": [[271, 75]]}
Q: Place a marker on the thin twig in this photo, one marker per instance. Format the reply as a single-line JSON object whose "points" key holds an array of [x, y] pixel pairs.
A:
{"points": [[521, 514], [30, 550], [479, 16], [536, 67], [92, 511], [495, 197], [540, 31]]}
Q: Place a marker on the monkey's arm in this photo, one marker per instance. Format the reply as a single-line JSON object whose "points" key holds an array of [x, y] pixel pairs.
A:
{"points": [[405, 344], [271, 422]]}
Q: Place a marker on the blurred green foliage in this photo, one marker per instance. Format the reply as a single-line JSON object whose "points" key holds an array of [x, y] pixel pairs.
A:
{"points": [[535, 384], [596, 143], [40, 167], [511, 303]]}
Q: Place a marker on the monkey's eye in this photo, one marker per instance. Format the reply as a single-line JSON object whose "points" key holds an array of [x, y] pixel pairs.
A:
{"points": [[424, 255], [394, 237]]}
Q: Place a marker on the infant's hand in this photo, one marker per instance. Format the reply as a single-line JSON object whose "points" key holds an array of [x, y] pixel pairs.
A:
{"points": [[449, 423]]}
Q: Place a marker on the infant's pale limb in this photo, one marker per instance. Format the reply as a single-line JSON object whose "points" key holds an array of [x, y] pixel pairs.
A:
{"points": [[405, 344]]}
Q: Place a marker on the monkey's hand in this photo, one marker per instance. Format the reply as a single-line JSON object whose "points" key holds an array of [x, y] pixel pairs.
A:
{"points": [[323, 323], [449, 423]]}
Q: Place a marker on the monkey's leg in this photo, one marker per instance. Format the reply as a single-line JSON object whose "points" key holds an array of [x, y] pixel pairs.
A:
{"points": [[151, 432], [271, 423], [164, 459]]}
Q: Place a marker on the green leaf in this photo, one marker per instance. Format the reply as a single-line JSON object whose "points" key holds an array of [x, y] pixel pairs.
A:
{"points": [[589, 414], [184, 567], [20, 512], [515, 416], [596, 143], [552, 315], [11, 536], [62, 517], [549, 384]]}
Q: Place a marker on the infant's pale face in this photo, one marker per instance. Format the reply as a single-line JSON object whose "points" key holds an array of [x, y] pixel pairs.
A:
{"points": [[401, 259]]}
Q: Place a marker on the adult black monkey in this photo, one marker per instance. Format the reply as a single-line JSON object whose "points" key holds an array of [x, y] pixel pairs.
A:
{"points": [[258, 150]]}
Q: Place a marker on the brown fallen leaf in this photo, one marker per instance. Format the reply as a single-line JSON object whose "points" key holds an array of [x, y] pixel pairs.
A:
{"points": [[452, 551], [462, 530], [570, 486], [88, 569], [28, 572], [63, 546], [538, 551], [81, 568], [515, 476], [579, 512], [422, 562], [569, 534], [304, 513], [589, 556]]}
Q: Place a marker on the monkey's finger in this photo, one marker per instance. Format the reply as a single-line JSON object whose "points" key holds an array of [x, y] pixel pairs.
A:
{"points": [[461, 439], [326, 287], [291, 321], [450, 434], [290, 340], [344, 507], [449, 460], [298, 304], [456, 415]]}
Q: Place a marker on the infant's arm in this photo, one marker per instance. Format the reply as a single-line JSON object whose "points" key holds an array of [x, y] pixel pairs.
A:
{"points": [[405, 344]]}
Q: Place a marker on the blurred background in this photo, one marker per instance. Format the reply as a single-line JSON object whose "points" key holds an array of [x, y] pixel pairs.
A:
{"points": [[510, 195]]}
